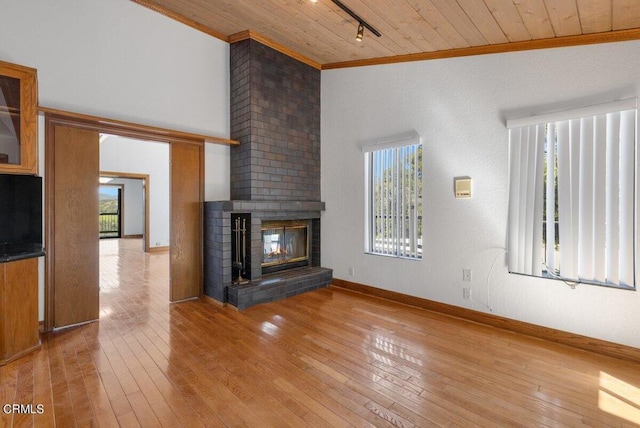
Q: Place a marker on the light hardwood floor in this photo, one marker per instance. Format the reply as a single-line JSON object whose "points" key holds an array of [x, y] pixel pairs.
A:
{"points": [[328, 358]]}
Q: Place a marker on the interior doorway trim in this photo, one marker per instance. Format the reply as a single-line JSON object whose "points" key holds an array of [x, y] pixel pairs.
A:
{"points": [[147, 191], [106, 126], [133, 130]]}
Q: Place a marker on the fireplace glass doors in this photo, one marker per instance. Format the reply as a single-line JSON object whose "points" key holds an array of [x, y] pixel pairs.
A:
{"points": [[285, 245]]}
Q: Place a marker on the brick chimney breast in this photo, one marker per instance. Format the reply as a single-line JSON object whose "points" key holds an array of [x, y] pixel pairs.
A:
{"points": [[275, 114]]}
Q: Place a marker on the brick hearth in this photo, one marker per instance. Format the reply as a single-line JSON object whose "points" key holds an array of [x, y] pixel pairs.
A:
{"points": [[217, 240]]}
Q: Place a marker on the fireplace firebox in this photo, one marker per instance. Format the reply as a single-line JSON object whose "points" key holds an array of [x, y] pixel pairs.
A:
{"points": [[234, 250], [285, 245]]}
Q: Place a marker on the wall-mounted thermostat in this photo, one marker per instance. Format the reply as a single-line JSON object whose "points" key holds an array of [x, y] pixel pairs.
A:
{"points": [[462, 187]]}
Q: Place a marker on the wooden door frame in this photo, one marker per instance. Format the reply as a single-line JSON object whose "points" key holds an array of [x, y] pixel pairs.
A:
{"points": [[146, 195], [108, 126]]}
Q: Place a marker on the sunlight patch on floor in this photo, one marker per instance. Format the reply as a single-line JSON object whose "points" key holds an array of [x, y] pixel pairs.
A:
{"points": [[619, 398]]}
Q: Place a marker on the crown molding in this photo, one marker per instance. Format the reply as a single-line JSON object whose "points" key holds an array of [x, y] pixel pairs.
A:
{"points": [[555, 42]]}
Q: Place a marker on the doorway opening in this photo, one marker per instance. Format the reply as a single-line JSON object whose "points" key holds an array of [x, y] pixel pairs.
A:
{"points": [[73, 158], [110, 204], [134, 191]]}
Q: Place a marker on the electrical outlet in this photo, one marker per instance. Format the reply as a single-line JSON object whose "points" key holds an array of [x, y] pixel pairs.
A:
{"points": [[352, 271], [466, 275], [466, 293]]}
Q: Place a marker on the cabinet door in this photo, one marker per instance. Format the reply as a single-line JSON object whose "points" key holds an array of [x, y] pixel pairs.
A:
{"points": [[18, 308], [18, 122]]}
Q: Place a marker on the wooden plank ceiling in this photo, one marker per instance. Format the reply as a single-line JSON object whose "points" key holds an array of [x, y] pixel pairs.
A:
{"points": [[324, 34]]}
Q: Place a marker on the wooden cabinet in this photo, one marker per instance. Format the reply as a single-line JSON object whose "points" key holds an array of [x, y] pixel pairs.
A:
{"points": [[18, 119], [19, 329]]}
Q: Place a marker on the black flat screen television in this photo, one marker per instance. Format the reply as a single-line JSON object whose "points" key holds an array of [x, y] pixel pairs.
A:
{"points": [[20, 209]]}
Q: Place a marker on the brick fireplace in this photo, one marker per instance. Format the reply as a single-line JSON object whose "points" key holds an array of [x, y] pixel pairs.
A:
{"points": [[275, 176]]}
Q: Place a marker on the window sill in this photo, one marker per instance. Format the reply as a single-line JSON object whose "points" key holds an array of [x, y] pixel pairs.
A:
{"points": [[574, 283], [392, 256]]}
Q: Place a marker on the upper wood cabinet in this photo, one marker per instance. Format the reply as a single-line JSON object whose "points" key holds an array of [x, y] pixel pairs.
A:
{"points": [[18, 120]]}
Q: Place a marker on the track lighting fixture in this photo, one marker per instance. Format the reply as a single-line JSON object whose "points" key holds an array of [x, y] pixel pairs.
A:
{"points": [[362, 24]]}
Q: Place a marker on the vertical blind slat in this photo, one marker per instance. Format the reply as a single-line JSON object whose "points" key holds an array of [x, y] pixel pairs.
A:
{"points": [[522, 229], [585, 200], [612, 264], [529, 201], [599, 196], [536, 267], [574, 189], [550, 209], [515, 145], [564, 193], [627, 179]]}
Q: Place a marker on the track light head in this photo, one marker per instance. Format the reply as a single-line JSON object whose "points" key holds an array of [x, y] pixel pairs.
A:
{"points": [[361, 22], [360, 33]]}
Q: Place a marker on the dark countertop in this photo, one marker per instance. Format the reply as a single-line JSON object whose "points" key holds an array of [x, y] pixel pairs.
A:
{"points": [[11, 252]]}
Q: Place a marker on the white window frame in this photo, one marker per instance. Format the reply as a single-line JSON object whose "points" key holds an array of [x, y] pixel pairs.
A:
{"points": [[412, 248], [597, 161]]}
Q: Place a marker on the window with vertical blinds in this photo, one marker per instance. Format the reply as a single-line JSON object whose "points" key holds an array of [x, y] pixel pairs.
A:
{"points": [[394, 198], [572, 195]]}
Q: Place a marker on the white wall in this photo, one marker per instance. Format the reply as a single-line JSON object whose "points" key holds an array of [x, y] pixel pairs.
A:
{"points": [[119, 60], [144, 157], [460, 107], [217, 172], [133, 205]]}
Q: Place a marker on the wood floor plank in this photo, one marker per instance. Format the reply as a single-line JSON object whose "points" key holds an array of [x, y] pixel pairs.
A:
{"points": [[42, 389], [326, 358], [24, 392]]}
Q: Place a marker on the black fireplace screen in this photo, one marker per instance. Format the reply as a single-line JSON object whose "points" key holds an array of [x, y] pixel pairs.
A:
{"points": [[284, 242]]}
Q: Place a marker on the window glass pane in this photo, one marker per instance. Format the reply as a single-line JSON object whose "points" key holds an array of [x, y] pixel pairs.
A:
{"points": [[9, 120], [395, 201]]}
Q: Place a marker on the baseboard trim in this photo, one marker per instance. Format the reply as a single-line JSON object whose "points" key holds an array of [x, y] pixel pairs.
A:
{"points": [[188, 299], [158, 249], [558, 336], [212, 300], [21, 354]]}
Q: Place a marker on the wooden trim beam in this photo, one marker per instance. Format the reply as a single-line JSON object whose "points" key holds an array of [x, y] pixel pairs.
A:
{"points": [[117, 174], [575, 340], [134, 130], [181, 18], [248, 34], [556, 42]]}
